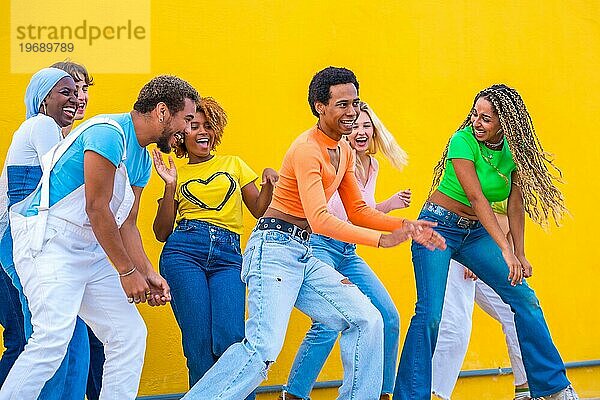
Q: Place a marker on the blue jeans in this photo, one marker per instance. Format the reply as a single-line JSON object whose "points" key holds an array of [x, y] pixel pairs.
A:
{"points": [[97, 358], [69, 380], [11, 318], [319, 340], [202, 263], [281, 273], [474, 248]]}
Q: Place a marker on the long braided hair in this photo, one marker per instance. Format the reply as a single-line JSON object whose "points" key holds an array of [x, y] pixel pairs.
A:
{"points": [[541, 197]]}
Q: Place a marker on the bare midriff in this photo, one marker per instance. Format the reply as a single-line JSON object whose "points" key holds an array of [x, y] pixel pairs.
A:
{"points": [[299, 222], [450, 204]]}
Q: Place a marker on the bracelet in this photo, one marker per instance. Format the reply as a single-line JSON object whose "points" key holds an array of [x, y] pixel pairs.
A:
{"points": [[131, 271]]}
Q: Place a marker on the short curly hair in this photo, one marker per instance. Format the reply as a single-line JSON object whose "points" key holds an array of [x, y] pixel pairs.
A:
{"points": [[168, 89], [216, 118], [319, 88]]}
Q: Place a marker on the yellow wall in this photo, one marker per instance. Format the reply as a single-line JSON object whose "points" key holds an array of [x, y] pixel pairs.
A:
{"points": [[419, 64]]}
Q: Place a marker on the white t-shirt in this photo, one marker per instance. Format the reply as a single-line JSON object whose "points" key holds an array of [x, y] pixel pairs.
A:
{"points": [[34, 138]]}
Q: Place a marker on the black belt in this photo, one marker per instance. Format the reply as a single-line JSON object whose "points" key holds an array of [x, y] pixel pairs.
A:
{"points": [[283, 226]]}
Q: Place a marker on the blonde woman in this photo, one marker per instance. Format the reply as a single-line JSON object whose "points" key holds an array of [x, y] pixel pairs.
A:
{"points": [[368, 137]]}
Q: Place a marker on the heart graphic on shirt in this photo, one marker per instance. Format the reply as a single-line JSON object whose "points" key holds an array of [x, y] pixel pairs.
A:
{"points": [[188, 187]]}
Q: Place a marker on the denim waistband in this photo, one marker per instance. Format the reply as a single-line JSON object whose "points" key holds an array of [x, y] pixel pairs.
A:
{"points": [[451, 217], [340, 245], [207, 225], [283, 226]]}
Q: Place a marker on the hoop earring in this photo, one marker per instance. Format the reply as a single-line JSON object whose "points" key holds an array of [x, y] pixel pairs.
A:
{"points": [[45, 109]]}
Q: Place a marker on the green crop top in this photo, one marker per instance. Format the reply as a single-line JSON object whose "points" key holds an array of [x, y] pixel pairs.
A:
{"points": [[495, 187]]}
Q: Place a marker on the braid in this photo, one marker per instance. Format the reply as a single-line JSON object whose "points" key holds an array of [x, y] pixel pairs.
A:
{"points": [[541, 198], [440, 167]]}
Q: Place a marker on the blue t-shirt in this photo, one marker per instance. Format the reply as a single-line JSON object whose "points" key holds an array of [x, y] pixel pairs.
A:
{"points": [[104, 139]]}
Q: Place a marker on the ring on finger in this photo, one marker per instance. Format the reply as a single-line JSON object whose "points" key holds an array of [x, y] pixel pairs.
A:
{"points": [[130, 299], [136, 300]]}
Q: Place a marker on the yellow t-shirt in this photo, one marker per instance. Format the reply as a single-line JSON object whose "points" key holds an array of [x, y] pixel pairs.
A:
{"points": [[211, 191]]}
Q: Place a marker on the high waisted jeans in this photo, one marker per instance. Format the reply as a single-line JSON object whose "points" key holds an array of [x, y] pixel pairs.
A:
{"points": [[281, 272], [474, 248], [319, 340], [202, 264]]}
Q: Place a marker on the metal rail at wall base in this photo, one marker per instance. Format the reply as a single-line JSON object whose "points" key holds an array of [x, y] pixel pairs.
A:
{"points": [[335, 384]]}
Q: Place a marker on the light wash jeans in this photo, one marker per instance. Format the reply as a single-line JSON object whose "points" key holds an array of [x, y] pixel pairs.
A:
{"points": [[281, 272], [474, 248], [72, 276], [455, 329], [319, 340]]}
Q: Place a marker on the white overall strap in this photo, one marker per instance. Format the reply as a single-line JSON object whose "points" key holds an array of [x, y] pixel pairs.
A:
{"points": [[49, 160]]}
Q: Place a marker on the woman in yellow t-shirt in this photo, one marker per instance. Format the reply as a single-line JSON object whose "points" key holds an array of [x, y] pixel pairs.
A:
{"points": [[201, 259]]}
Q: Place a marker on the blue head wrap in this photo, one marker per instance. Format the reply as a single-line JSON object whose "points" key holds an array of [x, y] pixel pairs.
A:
{"points": [[40, 85]]}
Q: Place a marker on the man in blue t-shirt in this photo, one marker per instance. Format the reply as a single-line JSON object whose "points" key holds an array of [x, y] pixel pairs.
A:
{"points": [[83, 230]]}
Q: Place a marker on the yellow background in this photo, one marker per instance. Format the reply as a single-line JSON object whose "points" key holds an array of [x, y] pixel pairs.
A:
{"points": [[419, 63]]}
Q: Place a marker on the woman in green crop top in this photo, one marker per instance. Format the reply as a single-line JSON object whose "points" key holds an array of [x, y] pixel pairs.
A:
{"points": [[495, 155]]}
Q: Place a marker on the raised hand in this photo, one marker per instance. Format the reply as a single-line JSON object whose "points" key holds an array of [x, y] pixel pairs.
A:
{"points": [[269, 177], [168, 174], [404, 198]]}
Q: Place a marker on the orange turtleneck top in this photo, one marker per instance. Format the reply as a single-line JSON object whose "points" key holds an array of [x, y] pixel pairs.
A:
{"points": [[307, 180]]}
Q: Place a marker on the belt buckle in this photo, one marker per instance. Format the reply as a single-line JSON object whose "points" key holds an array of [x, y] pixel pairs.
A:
{"points": [[463, 222], [301, 233]]}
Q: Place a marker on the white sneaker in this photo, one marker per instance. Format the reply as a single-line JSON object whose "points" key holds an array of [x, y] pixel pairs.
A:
{"points": [[567, 393]]}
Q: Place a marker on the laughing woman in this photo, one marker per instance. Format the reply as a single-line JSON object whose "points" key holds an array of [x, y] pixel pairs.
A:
{"points": [[202, 258], [50, 101], [495, 155]]}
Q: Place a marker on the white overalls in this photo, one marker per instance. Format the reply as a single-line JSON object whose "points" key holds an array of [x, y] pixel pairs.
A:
{"points": [[65, 273]]}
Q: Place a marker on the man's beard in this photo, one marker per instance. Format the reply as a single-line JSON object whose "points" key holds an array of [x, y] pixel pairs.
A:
{"points": [[163, 142]]}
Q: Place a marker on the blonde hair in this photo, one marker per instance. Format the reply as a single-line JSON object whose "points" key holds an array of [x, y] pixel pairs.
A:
{"points": [[383, 141], [541, 198]]}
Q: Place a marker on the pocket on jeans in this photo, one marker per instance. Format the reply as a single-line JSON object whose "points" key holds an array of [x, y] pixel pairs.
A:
{"points": [[184, 228], [246, 261], [274, 236]]}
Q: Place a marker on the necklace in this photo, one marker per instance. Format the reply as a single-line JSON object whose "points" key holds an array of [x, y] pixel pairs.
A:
{"points": [[495, 146]]}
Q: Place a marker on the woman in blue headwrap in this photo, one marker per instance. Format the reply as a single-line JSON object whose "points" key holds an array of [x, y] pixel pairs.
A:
{"points": [[51, 104]]}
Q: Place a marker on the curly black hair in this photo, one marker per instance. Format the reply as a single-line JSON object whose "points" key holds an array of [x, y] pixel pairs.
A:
{"points": [[319, 88], [168, 89]]}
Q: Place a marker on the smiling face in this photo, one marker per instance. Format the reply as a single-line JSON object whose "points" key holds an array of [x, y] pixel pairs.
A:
{"points": [[337, 117], [82, 99], [485, 120], [362, 133], [201, 140], [61, 102], [175, 125]]}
